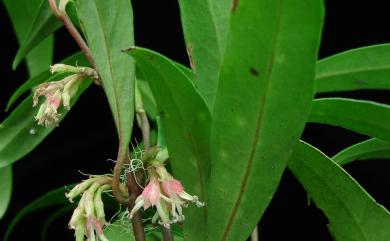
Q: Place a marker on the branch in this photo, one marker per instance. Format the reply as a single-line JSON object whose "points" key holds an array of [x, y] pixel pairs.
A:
{"points": [[134, 191], [73, 32]]}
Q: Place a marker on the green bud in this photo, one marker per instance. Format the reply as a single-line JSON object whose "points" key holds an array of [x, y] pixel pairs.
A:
{"points": [[89, 198], [99, 205], [80, 188], [73, 83]]}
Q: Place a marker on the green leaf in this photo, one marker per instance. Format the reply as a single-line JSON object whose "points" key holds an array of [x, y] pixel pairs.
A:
{"points": [[45, 76], [55, 197], [108, 27], [186, 121], [52, 218], [148, 100], [20, 134], [352, 212], [361, 68], [42, 26], [205, 25], [365, 117], [22, 15], [264, 95], [120, 230], [6, 188], [369, 149]]}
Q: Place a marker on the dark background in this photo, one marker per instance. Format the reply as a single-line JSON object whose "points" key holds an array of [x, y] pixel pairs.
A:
{"points": [[86, 139]]}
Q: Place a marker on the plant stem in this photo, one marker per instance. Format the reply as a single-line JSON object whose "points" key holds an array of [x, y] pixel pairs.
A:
{"points": [[134, 191], [166, 232], [73, 32]]}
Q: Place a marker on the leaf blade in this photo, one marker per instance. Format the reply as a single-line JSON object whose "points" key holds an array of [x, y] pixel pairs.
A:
{"points": [[365, 117], [259, 119], [22, 17], [6, 188], [355, 69], [53, 198], [369, 149], [186, 120], [106, 37], [205, 48], [43, 25], [340, 197]]}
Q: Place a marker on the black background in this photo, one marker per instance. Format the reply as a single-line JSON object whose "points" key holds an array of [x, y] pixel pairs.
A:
{"points": [[86, 139]]}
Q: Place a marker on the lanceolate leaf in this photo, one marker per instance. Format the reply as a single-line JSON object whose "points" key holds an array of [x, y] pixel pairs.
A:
{"points": [[271, 51], [186, 122], [205, 25], [108, 27], [42, 26], [362, 68], [369, 149], [353, 214], [5, 188], [365, 117], [22, 15], [76, 59], [53, 198], [20, 134]]}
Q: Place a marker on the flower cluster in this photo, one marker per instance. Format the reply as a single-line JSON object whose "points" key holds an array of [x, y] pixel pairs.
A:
{"points": [[166, 194], [88, 219], [59, 92]]}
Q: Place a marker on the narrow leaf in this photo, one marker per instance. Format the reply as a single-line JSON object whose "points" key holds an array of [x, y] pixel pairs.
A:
{"points": [[55, 197], [264, 95], [43, 25], [206, 47], [353, 214], [6, 188], [365, 117], [186, 122], [108, 27], [361, 68], [369, 149], [22, 16], [75, 59], [20, 134]]}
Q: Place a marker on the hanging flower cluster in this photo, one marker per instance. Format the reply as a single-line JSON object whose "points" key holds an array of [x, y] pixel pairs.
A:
{"points": [[88, 219], [166, 194], [59, 92]]}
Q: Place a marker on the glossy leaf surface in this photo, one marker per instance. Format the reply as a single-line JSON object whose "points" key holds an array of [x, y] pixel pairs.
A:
{"points": [[43, 25], [369, 149], [353, 214], [22, 15], [6, 188], [362, 68], [365, 117]]}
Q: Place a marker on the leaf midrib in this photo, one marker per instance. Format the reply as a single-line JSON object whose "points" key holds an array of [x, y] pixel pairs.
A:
{"points": [[350, 71], [259, 123]]}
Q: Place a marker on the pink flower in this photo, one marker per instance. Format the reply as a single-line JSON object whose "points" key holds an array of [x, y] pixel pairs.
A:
{"points": [[151, 194], [169, 201]]}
